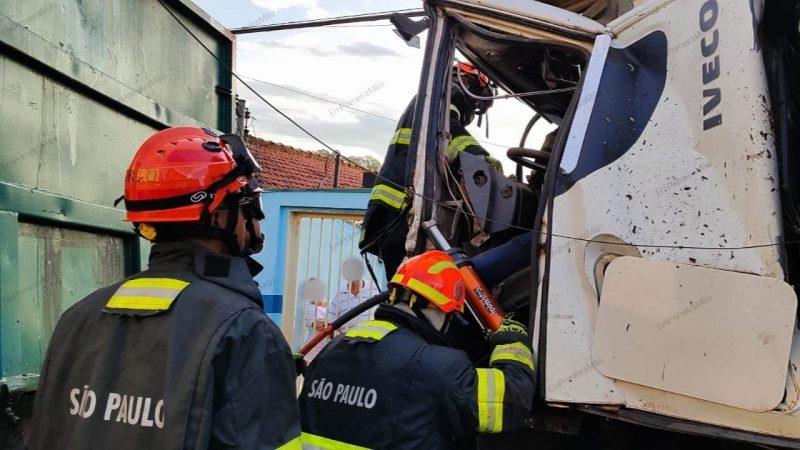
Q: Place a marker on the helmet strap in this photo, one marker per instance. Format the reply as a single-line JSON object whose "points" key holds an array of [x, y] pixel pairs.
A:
{"points": [[207, 229], [417, 305], [227, 234], [256, 242], [418, 308]]}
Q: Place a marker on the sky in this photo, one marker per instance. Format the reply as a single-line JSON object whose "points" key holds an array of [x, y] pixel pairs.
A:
{"points": [[367, 66]]}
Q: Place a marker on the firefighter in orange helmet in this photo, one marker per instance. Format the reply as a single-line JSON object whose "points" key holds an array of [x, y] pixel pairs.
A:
{"points": [[396, 383], [180, 355]]}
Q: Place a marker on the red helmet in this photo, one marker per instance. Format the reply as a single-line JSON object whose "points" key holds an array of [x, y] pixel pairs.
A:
{"points": [[183, 174], [476, 83], [434, 276], [180, 173], [467, 69]]}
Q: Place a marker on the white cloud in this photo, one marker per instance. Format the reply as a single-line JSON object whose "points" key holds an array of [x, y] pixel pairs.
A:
{"points": [[317, 61], [312, 8]]}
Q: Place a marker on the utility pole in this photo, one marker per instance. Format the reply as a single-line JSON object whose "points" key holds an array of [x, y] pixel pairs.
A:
{"points": [[336, 172]]}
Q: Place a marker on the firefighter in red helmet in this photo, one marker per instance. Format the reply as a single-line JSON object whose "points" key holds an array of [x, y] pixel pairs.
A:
{"points": [[180, 355], [396, 383]]}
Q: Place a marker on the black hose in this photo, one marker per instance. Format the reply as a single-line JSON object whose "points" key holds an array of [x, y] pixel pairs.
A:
{"points": [[524, 138], [359, 309]]}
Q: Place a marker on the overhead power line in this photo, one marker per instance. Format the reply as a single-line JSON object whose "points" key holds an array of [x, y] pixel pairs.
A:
{"points": [[369, 17], [346, 106], [437, 202], [361, 26], [323, 99]]}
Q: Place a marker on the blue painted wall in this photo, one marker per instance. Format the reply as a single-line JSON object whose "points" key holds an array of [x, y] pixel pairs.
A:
{"points": [[278, 205]]}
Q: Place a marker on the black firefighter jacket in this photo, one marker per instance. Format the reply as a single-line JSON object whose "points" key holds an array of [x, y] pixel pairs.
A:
{"points": [[392, 383], [180, 356], [385, 227]]}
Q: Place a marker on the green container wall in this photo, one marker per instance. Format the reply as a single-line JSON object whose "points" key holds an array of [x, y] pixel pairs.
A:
{"points": [[82, 84]]}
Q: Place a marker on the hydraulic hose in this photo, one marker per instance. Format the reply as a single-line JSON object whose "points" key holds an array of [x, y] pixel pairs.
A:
{"points": [[343, 319]]}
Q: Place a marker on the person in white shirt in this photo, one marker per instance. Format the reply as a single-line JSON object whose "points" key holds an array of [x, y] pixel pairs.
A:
{"points": [[355, 292]]}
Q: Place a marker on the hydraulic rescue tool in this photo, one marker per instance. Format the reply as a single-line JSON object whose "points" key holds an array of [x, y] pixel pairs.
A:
{"points": [[480, 302]]}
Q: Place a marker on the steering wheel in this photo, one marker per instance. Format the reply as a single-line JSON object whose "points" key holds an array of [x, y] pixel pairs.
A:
{"points": [[522, 156]]}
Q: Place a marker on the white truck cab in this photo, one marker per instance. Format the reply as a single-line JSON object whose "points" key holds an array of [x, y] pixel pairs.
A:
{"points": [[661, 286]]}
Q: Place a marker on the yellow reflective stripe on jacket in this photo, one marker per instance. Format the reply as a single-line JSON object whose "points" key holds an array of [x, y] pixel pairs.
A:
{"points": [[440, 266], [459, 144], [389, 195], [149, 294], [314, 442], [454, 108], [517, 351], [372, 329], [161, 283], [294, 444], [402, 136], [427, 291], [491, 391]]}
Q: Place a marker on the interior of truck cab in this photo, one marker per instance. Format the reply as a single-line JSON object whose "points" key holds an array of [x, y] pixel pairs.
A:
{"points": [[492, 215]]}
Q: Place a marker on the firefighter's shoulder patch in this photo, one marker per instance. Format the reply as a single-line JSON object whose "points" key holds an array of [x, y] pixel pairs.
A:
{"points": [[145, 296], [372, 330]]}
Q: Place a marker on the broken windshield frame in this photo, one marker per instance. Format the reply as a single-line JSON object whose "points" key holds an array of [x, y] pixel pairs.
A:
{"points": [[541, 252]]}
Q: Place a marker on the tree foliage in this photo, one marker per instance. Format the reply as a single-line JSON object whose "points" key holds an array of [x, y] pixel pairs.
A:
{"points": [[367, 162]]}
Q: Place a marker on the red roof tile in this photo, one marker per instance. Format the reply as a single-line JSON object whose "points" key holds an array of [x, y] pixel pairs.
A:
{"points": [[284, 167]]}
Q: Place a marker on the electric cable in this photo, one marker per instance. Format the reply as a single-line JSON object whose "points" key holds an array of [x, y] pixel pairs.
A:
{"points": [[434, 201], [323, 99], [359, 26], [346, 106], [329, 21]]}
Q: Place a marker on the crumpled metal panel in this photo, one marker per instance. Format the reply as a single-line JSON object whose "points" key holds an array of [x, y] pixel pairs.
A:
{"points": [[602, 11]]}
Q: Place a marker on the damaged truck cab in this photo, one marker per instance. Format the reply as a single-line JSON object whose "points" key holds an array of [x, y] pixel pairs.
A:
{"points": [[660, 285]]}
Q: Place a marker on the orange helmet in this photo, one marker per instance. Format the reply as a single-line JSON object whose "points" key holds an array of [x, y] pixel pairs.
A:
{"points": [[183, 174], [434, 276], [180, 173]]}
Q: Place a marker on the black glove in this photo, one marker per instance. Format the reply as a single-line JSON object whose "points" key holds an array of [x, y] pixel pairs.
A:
{"points": [[510, 331], [496, 164], [299, 364], [511, 345]]}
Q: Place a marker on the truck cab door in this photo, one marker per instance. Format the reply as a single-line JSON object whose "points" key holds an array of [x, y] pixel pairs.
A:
{"points": [[668, 174]]}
